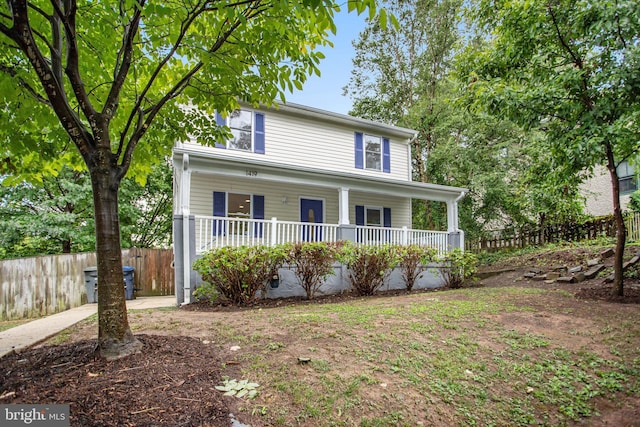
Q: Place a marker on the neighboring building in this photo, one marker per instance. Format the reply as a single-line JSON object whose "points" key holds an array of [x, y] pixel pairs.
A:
{"points": [[599, 194], [297, 173]]}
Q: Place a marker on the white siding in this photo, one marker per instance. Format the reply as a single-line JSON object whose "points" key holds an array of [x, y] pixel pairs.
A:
{"points": [[400, 207], [203, 186], [304, 142]]}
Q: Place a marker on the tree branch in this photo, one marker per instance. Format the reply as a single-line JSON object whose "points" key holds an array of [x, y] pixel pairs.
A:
{"points": [[72, 68], [21, 33], [122, 67], [142, 127], [577, 60]]}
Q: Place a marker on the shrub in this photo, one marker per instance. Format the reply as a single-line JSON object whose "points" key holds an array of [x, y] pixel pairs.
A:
{"points": [[458, 266], [413, 260], [368, 266], [238, 273], [634, 201], [313, 262], [206, 292]]}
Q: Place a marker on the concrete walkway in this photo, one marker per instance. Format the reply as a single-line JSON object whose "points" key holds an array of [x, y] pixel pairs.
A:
{"points": [[38, 330]]}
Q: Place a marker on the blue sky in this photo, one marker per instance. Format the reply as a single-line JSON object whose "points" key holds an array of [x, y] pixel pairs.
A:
{"points": [[325, 92]]}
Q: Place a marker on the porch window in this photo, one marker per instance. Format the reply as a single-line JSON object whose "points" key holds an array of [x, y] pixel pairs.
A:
{"points": [[236, 205], [373, 216], [239, 206], [627, 178], [372, 152], [247, 128]]}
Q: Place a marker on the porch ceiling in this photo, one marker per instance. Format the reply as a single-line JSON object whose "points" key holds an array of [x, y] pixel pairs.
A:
{"points": [[210, 163]]}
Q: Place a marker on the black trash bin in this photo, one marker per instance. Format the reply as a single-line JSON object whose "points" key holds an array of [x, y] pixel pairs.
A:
{"points": [[91, 283], [128, 282]]}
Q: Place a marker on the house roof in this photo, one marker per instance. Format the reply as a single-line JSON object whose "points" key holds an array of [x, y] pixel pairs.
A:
{"points": [[404, 134], [211, 162]]}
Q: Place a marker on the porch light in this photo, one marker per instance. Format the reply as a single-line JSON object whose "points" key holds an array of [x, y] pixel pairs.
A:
{"points": [[275, 281], [284, 200]]}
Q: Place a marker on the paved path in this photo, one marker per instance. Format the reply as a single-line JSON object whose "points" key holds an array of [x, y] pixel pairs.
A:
{"points": [[39, 330]]}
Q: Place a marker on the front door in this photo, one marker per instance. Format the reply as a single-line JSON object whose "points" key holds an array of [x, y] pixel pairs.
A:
{"points": [[311, 210]]}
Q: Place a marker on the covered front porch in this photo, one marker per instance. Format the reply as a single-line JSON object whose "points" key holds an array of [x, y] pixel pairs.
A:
{"points": [[211, 190]]}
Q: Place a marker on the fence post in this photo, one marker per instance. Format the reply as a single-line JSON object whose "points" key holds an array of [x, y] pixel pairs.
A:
{"points": [[405, 235]]}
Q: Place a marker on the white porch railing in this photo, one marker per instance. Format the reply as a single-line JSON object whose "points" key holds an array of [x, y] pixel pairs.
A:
{"points": [[215, 232], [402, 236]]}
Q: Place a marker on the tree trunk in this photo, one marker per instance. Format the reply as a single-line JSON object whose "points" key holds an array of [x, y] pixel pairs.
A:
{"points": [[621, 231], [114, 335]]}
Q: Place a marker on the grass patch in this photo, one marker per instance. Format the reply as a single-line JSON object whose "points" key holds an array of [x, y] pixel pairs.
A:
{"points": [[8, 324]]}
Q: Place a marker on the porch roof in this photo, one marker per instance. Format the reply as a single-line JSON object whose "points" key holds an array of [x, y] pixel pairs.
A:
{"points": [[213, 163]]}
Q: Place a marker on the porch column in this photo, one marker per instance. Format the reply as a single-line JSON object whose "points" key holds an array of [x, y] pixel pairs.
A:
{"points": [[452, 216], [185, 191], [346, 231], [343, 206]]}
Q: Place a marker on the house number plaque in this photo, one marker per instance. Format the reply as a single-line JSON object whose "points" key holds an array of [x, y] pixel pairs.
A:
{"points": [[251, 172]]}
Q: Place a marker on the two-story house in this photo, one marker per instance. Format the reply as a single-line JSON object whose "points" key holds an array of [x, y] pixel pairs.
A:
{"points": [[296, 173]]}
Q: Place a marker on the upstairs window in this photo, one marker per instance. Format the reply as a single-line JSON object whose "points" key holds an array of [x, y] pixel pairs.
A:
{"points": [[372, 152], [241, 124], [627, 178], [247, 128]]}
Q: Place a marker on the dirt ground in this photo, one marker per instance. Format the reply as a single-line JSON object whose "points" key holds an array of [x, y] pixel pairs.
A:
{"points": [[170, 382]]}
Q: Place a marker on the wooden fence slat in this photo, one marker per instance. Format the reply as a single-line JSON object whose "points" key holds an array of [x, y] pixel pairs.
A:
{"points": [[39, 286], [512, 238]]}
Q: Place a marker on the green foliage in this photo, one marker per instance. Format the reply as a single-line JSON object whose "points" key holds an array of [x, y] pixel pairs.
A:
{"points": [[240, 389], [368, 266], [458, 267], [56, 215], [634, 201], [206, 292], [413, 260], [569, 70], [238, 273], [313, 262]]}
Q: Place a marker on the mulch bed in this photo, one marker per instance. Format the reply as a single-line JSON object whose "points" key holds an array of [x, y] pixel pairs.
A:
{"points": [[170, 383]]}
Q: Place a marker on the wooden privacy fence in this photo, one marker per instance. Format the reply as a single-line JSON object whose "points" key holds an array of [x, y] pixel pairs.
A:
{"points": [[39, 286], [514, 238]]}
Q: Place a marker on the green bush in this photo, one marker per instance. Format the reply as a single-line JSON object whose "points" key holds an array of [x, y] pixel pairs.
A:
{"points": [[634, 201], [458, 267], [368, 266], [206, 292], [413, 260], [313, 262], [238, 273]]}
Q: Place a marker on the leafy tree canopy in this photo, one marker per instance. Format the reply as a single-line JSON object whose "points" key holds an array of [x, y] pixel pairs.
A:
{"points": [[568, 68]]}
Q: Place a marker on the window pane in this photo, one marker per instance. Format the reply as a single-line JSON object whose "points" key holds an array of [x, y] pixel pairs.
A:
{"points": [[241, 140], [372, 149], [240, 119], [374, 216], [239, 206], [628, 185]]}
